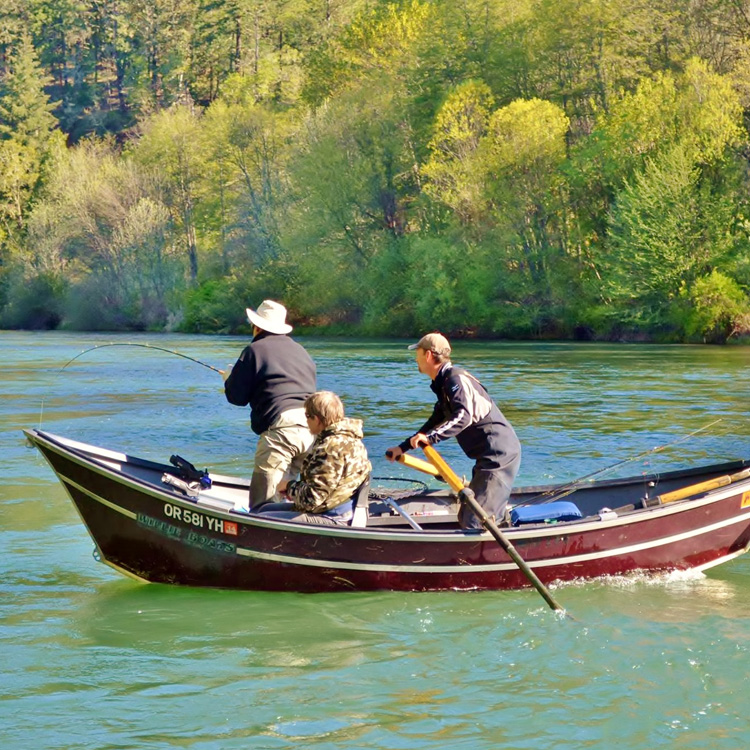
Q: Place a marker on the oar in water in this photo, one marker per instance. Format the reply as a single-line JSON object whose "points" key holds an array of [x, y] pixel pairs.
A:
{"points": [[467, 496]]}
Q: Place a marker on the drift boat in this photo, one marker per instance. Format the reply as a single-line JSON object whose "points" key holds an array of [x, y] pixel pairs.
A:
{"points": [[168, 523]]}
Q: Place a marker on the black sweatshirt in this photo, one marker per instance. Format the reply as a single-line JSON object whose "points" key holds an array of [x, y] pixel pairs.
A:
{"points": [[273, 374]]}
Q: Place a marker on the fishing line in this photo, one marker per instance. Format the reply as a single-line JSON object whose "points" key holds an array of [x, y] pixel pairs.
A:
{"points": [[144, 346], [565, 490], [129, 343]]}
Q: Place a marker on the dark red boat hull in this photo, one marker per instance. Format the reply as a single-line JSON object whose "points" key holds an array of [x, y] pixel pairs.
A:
{"points": [[156, 536]]}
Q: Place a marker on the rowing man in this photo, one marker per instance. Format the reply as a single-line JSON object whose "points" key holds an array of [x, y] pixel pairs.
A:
{"points": [[466, 411]]}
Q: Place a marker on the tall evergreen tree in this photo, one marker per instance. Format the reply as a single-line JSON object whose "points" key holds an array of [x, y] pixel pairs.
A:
{"points": [[25, 109], [26, 128]]}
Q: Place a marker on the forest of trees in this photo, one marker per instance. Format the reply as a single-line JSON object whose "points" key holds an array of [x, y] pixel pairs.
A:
{"points": [[499, 168]]}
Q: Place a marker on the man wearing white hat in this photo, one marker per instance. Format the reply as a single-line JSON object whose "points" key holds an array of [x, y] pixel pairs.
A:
{"points": [[274, 375]]}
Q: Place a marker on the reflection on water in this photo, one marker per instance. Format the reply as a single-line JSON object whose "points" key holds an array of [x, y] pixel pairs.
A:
{"points": [[100, 661]]}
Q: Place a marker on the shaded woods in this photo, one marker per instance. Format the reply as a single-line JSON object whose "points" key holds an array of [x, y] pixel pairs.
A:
{"points": [[521, 169]]}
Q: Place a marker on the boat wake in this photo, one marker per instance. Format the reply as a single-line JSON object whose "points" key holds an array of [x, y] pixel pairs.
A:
{"points": [[637, 578]]}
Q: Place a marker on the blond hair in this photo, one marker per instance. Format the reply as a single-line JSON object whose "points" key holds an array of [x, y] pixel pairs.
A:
{"points": [[325, 405]]}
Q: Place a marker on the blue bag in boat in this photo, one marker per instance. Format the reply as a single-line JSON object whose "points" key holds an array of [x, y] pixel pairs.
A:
{"points": [[544, 513]]}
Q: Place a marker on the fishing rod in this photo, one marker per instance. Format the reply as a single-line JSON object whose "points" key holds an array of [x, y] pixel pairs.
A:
{"points": [[144, 346], [130, 343], [578, 483]]}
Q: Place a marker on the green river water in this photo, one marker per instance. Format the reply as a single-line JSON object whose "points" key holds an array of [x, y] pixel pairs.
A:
{"points": [[89, 659]]}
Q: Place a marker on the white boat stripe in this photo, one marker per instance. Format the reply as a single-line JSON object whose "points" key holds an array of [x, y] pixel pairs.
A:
{"points": [[377, 567], [722, 560], [558, 561], [118, 508], [124, 572], [449, 568], [444, 568], [513, 534]]}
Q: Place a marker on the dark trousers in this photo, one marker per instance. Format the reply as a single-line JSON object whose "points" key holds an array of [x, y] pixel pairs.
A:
{"points": [[491, 487]]}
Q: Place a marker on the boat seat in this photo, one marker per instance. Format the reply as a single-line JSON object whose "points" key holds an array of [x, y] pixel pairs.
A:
{"points": [[544, 513], [360, 503]]}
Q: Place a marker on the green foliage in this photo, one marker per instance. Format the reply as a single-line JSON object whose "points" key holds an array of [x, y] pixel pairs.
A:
{"points": [[247, 141], [527, 135], [522, 154], [668, 227], [213, 307], [350, 201], [378, 40], [455, 169], [218, 305], [710, 113], [391, 310], [25, 111], [26, 126], [526, 169], [719, 308], [101, 225], [170, 148], [35, 302], [430, 283]]}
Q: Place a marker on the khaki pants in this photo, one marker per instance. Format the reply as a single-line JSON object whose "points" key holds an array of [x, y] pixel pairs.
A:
{"points": [[279, 454]]}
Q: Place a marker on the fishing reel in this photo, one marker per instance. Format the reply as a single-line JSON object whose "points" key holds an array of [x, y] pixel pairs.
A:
{"points": [[189, 473]]}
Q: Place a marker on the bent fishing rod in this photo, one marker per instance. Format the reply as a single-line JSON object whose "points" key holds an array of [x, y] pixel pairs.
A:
{"points": [[131, 343], [144, 346], [560, 492]]}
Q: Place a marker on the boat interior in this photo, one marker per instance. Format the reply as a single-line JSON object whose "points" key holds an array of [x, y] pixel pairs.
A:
{"points": [[403, 503]]}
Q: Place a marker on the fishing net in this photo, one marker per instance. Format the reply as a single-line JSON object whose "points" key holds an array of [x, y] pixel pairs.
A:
{"points": [[396, 488]]}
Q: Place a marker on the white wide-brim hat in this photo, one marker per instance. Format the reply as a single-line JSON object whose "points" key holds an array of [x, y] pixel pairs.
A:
{"points": [[270, 316]]}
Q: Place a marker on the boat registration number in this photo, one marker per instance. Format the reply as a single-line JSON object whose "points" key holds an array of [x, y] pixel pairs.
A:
{"points": [[186, 515]]}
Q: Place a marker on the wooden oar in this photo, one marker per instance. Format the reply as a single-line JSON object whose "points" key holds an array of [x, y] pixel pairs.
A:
{"points": [[466, 495], [695, 489]]}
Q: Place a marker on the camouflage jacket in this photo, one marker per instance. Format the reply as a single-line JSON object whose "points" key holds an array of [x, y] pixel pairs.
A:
{"points": [[334, 467]]}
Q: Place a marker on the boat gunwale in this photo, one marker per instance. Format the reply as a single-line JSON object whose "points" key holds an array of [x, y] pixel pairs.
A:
{"points": [[530, 532]]}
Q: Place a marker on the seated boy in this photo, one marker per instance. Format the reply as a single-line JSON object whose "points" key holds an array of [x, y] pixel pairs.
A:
{"points": [[332, 471]]}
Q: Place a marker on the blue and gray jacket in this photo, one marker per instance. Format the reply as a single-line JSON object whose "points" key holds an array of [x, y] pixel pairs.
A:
{"points": [[466, 411]]}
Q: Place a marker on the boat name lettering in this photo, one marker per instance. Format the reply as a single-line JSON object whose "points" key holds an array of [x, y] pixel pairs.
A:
{"points": [[207, 542], [154, 523]]}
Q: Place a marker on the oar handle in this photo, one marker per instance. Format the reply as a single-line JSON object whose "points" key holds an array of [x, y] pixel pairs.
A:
{"points": [[710, 484], [418, 464]]}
